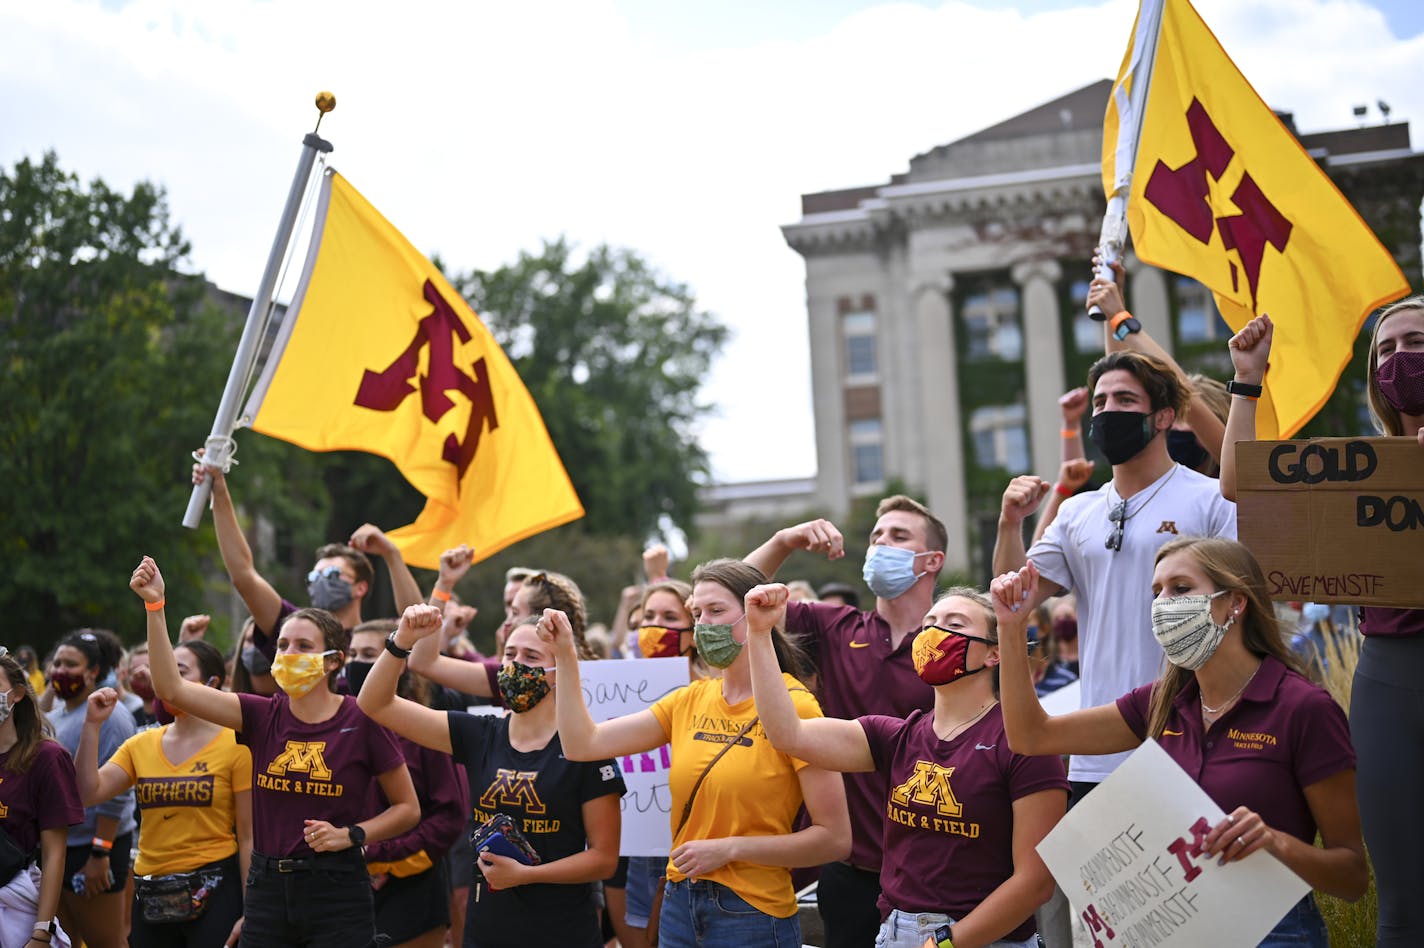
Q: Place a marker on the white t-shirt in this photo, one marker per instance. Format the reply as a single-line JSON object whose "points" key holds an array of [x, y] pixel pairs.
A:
{"points": [[1116, 650]]}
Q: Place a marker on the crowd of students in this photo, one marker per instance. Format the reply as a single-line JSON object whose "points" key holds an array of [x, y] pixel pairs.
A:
{"points": [[320, 787]]}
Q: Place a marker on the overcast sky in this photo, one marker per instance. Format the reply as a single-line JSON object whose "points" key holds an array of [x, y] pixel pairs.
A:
{"points": [[684, 131]]}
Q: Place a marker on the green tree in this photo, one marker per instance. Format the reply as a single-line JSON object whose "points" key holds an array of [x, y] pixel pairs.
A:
{"points": [[614, 355], [113, 361]]}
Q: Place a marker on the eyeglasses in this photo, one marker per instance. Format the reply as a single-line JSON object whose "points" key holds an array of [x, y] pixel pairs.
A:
{"points": [[1118, 517], [331, 572]]}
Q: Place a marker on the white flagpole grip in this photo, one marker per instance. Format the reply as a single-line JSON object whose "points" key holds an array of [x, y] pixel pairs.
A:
{"points": [[220, 439], [1112, 239]]}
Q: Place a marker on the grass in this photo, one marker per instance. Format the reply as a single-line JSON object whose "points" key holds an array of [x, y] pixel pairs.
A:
{"points": [[1351, 924]]}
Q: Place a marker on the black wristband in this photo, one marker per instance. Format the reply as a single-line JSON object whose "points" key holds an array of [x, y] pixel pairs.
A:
{"points": [[396, 650], [1244, 389], [97, 853]]}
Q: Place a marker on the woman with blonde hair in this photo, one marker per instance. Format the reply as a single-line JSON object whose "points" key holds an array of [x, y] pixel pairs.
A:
{"points": [[1387, 696], [1230, 673]]}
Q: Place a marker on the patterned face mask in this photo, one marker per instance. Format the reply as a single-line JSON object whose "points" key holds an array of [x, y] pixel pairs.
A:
{"points": [[716, 644], [942, 655], [297, 673], [656, 641], [1185, 629], [522, 686]]}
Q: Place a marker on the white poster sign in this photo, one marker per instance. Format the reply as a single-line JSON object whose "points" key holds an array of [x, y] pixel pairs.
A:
{"points": [[1130, 858], [617, 687]]}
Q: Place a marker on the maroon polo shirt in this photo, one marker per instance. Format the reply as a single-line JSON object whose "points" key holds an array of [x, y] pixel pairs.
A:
{"points": [[1282, 736], [859, 675], [46, 796], [1391, 623], [949, 811], [300, 771]]}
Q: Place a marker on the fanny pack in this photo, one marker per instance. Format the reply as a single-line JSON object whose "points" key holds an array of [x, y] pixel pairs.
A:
{"points": [[178, 896], [12, 857]]}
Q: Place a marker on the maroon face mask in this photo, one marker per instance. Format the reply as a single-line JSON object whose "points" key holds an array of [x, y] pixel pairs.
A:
{"points": [[942, 656], [67, 684], [142, 685], [1401, 382], [161, 714], [1065, 629]]}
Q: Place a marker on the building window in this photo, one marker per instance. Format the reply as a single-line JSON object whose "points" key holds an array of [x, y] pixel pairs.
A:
{"points": [[859, 331], [866, 440], [1197, 317], [992, 323], [1000, 435], [1087, 333]]}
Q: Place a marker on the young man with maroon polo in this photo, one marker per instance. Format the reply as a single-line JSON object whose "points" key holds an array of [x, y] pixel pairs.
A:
{"points": [[864, 664]]}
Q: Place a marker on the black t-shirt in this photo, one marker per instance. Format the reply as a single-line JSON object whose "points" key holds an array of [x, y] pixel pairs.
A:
{"points": [[544, 793]]}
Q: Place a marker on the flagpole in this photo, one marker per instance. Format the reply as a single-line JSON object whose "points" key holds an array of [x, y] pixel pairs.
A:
{"points": [[1112, 239], [218, 449]]}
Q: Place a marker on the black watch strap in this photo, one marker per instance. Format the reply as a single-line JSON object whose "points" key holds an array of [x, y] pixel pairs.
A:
{"points": [[1243, 388], [357, 834], [394, 649]]}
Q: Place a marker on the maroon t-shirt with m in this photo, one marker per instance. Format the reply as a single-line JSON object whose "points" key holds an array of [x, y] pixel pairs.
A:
{"points": [[300, 771], [46, 796], [1282, 736], [860, 674], [949, 811]]}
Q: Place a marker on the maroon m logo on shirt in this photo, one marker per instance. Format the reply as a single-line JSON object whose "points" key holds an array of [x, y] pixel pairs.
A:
{"points": [[1182, 194], [385, 390]]}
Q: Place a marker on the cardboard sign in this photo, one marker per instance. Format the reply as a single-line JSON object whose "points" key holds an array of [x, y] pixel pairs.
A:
{"points": [[1130, 858], [1335, 519], [617, 687]]}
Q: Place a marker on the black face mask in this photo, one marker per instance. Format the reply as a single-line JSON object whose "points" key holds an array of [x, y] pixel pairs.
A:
{"points": [[1186, 450], [356, 673], [1121, 435]]}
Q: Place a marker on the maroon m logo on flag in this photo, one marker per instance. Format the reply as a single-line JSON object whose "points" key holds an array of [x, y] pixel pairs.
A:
{"points": [[1182, 195], [385, 390]]}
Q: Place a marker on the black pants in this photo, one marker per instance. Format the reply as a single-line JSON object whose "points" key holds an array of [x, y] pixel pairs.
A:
{"points": [[321, 901], [209, 929], [846, 898]]}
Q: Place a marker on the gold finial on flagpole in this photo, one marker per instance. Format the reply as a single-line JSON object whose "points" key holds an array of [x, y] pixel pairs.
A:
{"points": [[325, 102]]}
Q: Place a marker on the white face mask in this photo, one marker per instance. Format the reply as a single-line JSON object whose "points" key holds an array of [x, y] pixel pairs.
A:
{"points": [[6, 709], [1185, 629]]}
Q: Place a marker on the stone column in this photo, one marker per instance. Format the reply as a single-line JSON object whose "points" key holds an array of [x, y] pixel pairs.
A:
{"points": [[943, 438], [1152, 300], [1043, 360]]}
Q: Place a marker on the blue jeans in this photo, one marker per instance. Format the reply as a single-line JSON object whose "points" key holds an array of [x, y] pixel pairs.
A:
{"points": [[1302, 925], [704, 914], [643, 875], [910, 929]]}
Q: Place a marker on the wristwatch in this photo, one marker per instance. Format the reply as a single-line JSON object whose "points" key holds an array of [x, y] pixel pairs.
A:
{"points": [[394, 649], [1244, 389], [357, 834], [1124, 324]]}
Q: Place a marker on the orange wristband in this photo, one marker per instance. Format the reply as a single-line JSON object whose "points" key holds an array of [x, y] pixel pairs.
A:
{"points": [[1069, 433], [1119, 319], [155, 606], [442, 596]]}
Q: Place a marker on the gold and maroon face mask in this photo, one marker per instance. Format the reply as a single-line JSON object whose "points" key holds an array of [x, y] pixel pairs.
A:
{"points": [[656, 641], [942, 656]]}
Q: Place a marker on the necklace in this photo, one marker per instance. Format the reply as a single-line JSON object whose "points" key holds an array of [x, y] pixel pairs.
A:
{"points": [[1123, 500], [1239, 692], [954, 731]]}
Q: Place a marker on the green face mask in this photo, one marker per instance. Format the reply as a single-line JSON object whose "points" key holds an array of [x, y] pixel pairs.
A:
{"points": [[715, 643]]}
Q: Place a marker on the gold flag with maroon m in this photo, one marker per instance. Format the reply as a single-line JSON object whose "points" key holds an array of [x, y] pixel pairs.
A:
{"points": [[1223, 192], [378, 353]]}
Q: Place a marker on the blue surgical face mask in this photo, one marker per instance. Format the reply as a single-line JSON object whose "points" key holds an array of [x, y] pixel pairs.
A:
{"points": [[889, 571], [1315, 612]]}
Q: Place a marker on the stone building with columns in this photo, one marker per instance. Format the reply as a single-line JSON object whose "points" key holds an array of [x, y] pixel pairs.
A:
{"points": [[945, 306]]}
